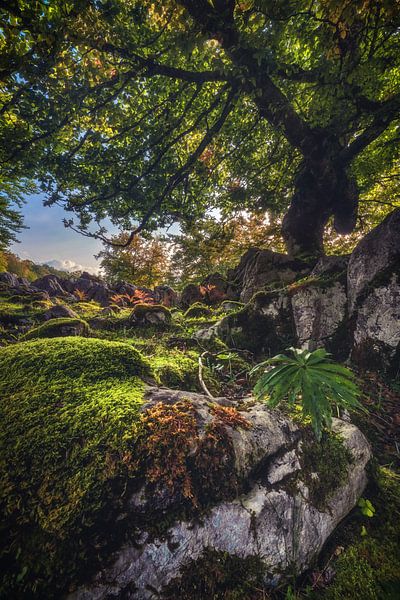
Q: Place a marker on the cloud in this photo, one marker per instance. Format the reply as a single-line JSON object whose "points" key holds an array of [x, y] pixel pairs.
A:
{"points": [[70, 265]]}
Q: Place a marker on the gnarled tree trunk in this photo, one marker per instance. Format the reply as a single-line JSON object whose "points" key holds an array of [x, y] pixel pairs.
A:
{"points": [[322, 189]]}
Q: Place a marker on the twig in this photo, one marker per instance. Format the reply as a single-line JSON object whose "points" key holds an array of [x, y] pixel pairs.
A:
{"points": [[203, 385]]}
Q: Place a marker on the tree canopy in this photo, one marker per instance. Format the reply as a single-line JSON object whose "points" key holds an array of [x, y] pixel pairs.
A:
{"points": [[148, 112]]}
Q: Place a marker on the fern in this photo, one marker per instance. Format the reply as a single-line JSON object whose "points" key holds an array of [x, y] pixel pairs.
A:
{"points": [[312, 379]]}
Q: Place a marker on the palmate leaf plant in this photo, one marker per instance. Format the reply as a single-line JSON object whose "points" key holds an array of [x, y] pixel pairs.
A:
{"points": [[311, 379]]}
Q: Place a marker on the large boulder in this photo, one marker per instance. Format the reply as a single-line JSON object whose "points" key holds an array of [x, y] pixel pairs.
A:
{"points": [[264, 500], [377, 329], [319, 307], [9, 279], [264, 326], [374, 297], [259, 269], [374, 260], [51, 284]]}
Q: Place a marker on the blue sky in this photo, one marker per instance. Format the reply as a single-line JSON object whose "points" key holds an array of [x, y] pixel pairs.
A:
{"points": [[47, 240]]}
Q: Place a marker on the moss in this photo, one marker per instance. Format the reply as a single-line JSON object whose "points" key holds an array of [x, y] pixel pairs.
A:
{"points": [[67, 415], [197, 310], [61, 327], [87, 309], [220, 576], [369, 567], [325, 467], [179, 370]]}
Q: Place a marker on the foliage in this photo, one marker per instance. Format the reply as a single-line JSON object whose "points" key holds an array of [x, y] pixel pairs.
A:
{"points": [[144, 262], [138, 296], [67, 411], [210, 245], [370, 566], [26, 268], [312, 379], [155, 112]]}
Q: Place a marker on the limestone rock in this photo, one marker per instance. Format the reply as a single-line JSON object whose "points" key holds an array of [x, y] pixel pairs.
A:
{"points": [[268, 519], [260, 268], [374, 260], [320, 308], [50, 284], [377, 330]]}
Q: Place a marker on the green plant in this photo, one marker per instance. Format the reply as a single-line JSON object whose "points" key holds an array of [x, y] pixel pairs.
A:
{"points": [[366, 507], [311, 379]]}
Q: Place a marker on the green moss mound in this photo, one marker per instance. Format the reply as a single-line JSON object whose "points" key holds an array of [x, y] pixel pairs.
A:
{"points": [[59, 328], [197, 310], [179, 370], [68, 411], [142, 309]]}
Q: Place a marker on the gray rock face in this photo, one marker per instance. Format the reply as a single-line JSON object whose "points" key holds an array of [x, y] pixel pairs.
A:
{"points": [[320, 308], [375, 259], [9, 279], [278, 523], [259, 268], [377, 331]]}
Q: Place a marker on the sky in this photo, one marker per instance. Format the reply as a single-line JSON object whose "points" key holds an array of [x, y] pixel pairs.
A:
{"points": [[47, 240]]}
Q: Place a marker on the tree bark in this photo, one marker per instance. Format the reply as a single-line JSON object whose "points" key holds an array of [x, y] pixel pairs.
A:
{"points": [[323, 189]]}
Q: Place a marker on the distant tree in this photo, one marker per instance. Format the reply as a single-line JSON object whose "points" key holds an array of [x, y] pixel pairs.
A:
{"points": [[27, 268], [217, 244], [150, 112], [145, 262]]}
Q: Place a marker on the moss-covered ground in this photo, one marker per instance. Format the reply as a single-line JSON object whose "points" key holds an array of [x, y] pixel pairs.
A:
{"points": [[71, 415]]}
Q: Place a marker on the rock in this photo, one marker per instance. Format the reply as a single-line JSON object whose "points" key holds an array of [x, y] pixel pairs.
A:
{"points": [[214, 288], [319, 306], [122, 287], [9, 279], [377, 329], [61, 327], [163, 294], [260, 268], [50, 284], [198, 309], [59, 311], [190, 294], [110, 311], [268, 518], [150, 314], [99, 292], [374, 260], [264, 326]]}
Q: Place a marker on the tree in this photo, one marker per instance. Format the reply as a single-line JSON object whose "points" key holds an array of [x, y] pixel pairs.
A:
{"points": [[148, 112], [217, 245], [145, 262]]}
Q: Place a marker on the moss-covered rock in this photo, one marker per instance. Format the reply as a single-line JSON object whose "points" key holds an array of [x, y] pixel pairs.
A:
{"points": [[68, 412], [150, 314], [197, 310], [179, 370], [61, 327]]}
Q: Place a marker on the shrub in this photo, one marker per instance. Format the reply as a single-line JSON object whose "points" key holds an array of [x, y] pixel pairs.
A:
{"points": [[311, 379]]}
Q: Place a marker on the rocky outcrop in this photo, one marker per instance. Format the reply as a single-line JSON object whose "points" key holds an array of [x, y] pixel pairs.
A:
{"points": [[259, 269], [150, 314], [269, 512], [377, 329], [374, 297], [319, 308], [374, 260], [50, 284]]}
